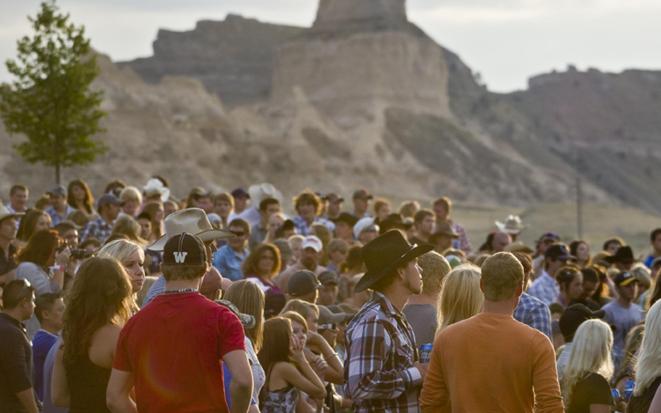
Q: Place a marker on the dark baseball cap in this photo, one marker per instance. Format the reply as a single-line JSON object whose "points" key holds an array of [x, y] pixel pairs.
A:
{"points": [[328, 278], [184, 250], [333, 197], [302, 282], [552, 236], [347, 218], [362, 194], [624, 278], [574, 316], [558, 252], [247, 320], [240, 193]]}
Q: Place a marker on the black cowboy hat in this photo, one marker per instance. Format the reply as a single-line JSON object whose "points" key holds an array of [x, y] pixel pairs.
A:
{"points": [[384, 254], [624, 254]]}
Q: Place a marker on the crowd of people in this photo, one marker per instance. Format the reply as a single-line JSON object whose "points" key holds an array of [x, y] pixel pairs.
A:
{"points": [[241, 301]]}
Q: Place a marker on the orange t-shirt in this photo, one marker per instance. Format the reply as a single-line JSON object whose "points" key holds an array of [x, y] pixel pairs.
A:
{"points": [[491, 363]]}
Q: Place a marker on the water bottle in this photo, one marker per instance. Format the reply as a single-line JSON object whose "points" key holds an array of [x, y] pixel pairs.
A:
{"points": [[425, 353], [628, 389]]}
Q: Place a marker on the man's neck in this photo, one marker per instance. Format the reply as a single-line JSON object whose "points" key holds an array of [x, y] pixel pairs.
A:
{"points": [[359, 213], [498, 307], [398, 295], [422, 299], [106, 219], [50, 328], [60, 209], [422, 237], [624, 302], [183, 284], [239, 250], [15, 314]]}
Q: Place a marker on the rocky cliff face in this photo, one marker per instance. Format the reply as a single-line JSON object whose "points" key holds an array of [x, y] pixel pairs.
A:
{"points": [[365, 98]]}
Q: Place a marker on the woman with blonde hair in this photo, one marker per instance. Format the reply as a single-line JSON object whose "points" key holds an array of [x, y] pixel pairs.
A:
{"points": [[461, 297], [249, 299], [647, 392], [585, 381], [131, 200], [132, 258], [99, 304]]}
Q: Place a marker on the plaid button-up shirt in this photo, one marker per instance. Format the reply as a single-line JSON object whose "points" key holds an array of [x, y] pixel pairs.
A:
{"points": [[379, 362], [534, 313], [545, 288], [98, 229]]}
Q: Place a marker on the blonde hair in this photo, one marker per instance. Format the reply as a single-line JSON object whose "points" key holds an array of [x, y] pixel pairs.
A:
{"points": [[590, 353], [130, 193], [408, 209], [120, 249], [460, 297], [249, 299], [502, 273], [305, 309], [434, 268], [295, 317], [648, 366]]}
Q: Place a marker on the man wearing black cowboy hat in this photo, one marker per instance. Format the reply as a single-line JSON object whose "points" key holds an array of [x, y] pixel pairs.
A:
{"points": [[382, 369], [623, 258]]}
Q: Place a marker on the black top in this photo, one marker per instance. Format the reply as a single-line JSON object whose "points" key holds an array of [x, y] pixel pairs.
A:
{"points": [[87, 386], [7, 263], [593, 389], [641, 404], [15, 363]]}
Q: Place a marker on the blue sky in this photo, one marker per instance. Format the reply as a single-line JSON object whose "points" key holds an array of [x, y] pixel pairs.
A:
{"points": [[505, 40]]}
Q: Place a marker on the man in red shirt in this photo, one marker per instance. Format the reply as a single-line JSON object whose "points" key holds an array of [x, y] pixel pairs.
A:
{"points": [[172, 350]]}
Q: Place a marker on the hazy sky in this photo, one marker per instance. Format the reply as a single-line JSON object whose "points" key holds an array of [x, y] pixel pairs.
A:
{"points": [[505, 40]]}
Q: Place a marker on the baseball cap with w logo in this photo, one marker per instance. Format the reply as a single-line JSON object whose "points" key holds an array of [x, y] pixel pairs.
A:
{"points": [[184, 250]]}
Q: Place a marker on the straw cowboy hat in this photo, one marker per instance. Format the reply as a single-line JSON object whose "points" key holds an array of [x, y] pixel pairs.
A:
{"points": [[155, 187], [258, 192], [193, 221], [384, 254], [512, 225]]}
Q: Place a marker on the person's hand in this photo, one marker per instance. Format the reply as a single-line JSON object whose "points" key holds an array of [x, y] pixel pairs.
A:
{"points": [[62, 257], [317, 362], [422, 368], [296, 348]]}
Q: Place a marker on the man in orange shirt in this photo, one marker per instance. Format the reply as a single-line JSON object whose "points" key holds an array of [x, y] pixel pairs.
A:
{"points": [[492, 362]]}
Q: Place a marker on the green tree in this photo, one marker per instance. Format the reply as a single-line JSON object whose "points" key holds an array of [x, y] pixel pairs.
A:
{"points": [[50, 100]]}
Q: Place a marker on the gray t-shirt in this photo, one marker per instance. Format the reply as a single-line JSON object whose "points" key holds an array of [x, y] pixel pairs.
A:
{"points": [[624, 319], [422, 318]]}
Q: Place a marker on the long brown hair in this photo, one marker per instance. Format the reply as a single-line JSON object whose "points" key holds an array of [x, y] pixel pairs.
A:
{"points": [[88, 202], [40, 248], [250, 264], [276, 346], [28, 223], [156, 226], [249, 299], [101, 295]]}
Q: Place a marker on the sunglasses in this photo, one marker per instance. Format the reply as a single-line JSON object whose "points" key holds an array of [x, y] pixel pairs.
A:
{"points": [[325, 327], [238, 233]]}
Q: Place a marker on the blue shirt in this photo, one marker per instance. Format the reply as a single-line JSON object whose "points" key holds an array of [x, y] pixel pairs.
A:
{"points": [[228, 262], [534, 313], [57, 218], [41, 345], [304, 229], [545, 288]]}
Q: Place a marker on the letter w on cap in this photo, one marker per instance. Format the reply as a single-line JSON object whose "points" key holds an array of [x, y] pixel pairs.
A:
{"points": [[180, 257]]}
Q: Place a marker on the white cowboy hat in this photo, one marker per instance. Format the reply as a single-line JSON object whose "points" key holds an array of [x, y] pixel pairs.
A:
{"points": [[155, 186], [191, 220], [512, 225], [258, 192]]}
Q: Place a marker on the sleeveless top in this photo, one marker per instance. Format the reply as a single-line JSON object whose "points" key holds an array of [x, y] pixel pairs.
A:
{"points": [[280, 401], [87, 386], [641, 404]]}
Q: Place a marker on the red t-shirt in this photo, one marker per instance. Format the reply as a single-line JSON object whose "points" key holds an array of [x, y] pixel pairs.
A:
{"points": [[174, 347]]}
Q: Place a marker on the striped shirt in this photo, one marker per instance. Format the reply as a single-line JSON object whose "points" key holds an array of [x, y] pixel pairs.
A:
{"points": [[379, 371]]}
